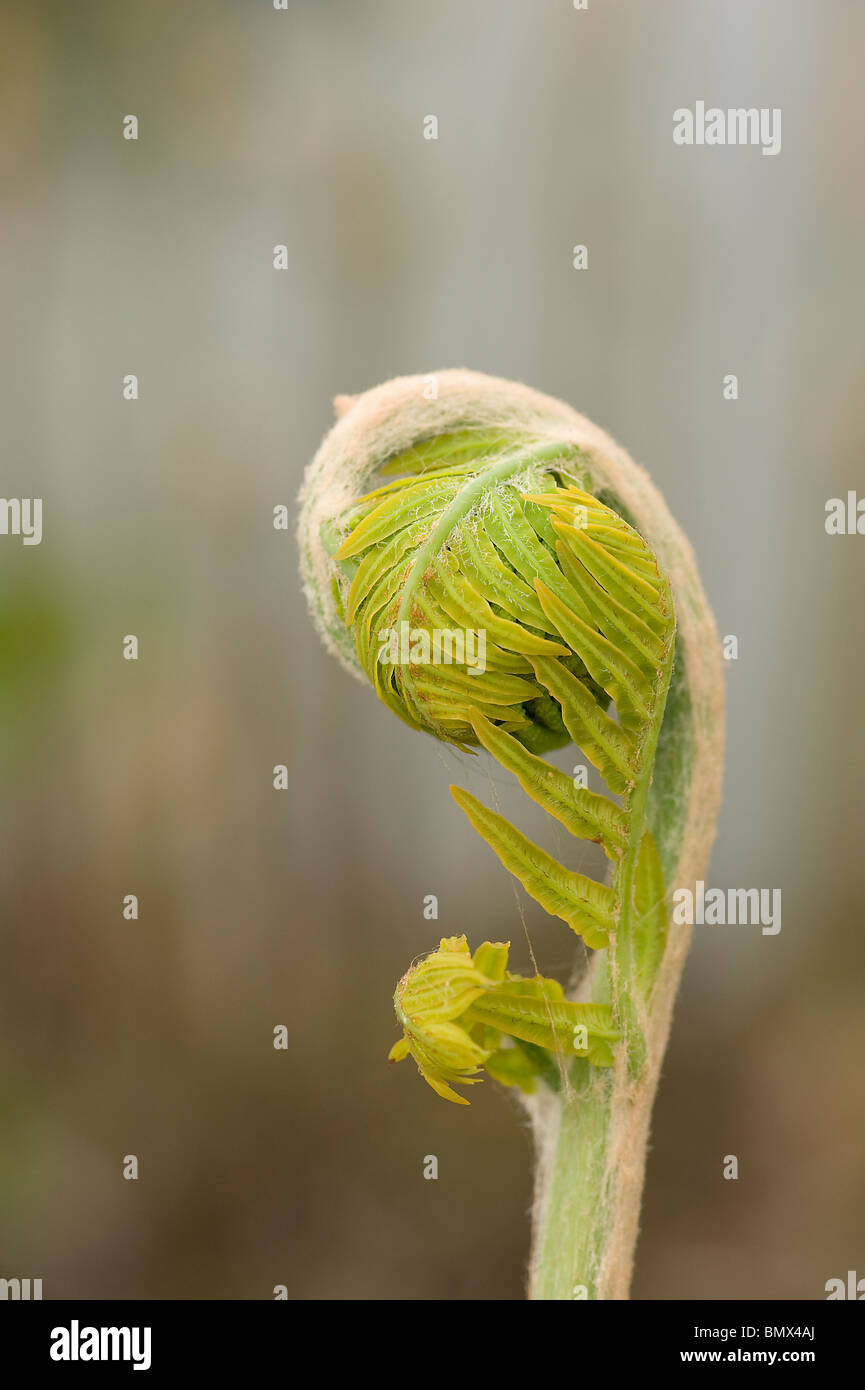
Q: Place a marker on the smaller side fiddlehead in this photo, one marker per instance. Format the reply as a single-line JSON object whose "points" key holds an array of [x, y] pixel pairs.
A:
{"points": [[457, 1011]]}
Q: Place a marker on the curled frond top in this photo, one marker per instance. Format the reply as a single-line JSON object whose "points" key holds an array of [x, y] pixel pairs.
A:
{"points": [[480, 574]]}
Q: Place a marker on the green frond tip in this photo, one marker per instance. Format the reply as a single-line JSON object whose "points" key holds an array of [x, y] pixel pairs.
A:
{"points": [[481, 559], [463, 1013]]}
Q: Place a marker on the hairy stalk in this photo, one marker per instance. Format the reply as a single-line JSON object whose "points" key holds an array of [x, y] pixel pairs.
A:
{"points": [[584, 1193], [511, 517]]}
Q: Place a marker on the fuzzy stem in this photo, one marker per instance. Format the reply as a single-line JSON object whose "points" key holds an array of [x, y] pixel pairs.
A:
{"points": [[576, 1221], [584, 1194]]}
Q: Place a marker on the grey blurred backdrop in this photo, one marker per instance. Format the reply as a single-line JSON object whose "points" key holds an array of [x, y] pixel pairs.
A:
{"points": [[154, 1037]]}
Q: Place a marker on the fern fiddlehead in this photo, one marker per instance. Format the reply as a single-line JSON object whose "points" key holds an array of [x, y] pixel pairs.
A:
{"points": [[500, 521]]}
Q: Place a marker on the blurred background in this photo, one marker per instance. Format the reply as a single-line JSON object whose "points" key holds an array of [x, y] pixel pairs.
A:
{"points": [[302, 907]]}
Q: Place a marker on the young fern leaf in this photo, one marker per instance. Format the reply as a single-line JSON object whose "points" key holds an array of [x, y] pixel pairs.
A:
{"points": [[612, 749], [586, 906], [548, 1023], [500, 572], [585, 814]]}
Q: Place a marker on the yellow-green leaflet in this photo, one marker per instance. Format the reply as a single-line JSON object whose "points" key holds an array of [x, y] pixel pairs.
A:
{"points": [[584, 813], [585, 1030], [611, 748], [608, 665], [650, 914], [586, 906]]}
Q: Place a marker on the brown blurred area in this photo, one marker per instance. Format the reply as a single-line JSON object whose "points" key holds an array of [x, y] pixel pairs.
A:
{"points": [[258, 908]]}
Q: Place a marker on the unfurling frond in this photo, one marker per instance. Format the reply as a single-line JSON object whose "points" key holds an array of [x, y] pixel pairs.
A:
{"points": [[506, 578], [494, 600]]}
